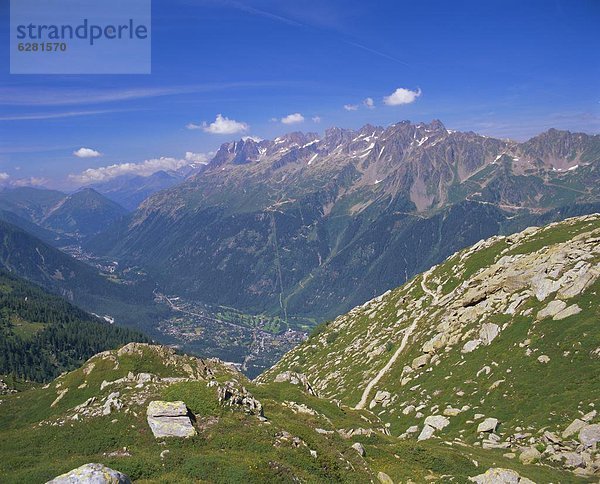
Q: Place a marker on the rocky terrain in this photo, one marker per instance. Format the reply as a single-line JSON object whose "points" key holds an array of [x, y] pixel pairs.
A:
{"points": [[496, 348], [483, 369]]}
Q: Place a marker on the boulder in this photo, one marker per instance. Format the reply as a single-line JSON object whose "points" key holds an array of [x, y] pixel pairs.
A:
{"points": [[91, 474], [573, 428], [553, 307], [543, 359], [572, 310], [530, 455], [426, 433], [589, 435], [436, 343], [488, 333], [437, 422], [169, 419], [358, 447], [384, 478], [488, 425], [296, 379], [420, 361], [235, 395], [497, 475], [470, 346]]}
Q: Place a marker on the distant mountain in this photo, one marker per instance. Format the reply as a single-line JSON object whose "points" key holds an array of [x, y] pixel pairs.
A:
{"points": [[130, 191], [83, 213], [42, 335], [30, 258], [70, 217], [311, 225], [497, 348]]}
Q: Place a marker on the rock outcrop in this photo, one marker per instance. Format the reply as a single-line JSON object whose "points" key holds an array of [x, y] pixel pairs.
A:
{"points": [[91, 474], [170, 419]]}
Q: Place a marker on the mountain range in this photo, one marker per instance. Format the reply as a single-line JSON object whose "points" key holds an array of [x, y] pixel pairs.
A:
{"points": [[308, 225]]}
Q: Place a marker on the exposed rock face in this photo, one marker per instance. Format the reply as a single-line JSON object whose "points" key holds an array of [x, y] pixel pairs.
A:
{"points": [[497, 475], [92, 474], [231, 393], [296, 379], [169, 419]]}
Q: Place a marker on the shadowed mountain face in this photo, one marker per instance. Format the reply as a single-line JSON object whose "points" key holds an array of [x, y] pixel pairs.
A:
{"points": [[82, 214], [311, 225]]}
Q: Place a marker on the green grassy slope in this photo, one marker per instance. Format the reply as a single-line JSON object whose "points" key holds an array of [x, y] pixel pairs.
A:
{"points": [[43, 434], [537, 374]]}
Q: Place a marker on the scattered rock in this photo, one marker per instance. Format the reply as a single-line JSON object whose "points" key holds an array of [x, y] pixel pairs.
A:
{"points": [[91, 474], [358, 447], [421, 361], [169, 419], [565, 313], [530, 455], [470, 346], [384, 478], [589, 435], [488, 333], [553, 308], [296, 379], [497, 475], [488, 425], [426, 433], [232, 394], [437, 422]]}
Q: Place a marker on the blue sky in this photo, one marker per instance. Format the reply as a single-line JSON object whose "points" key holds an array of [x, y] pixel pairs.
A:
{"points": [[501, 68]]}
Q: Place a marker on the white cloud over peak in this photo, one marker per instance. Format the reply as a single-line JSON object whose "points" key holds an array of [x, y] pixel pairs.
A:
{"points": [[402, 96], [145, 168], [292, 118], [369, 103], [87, 153], [221, 125], [4, 176], [351, 107], [316, 119], [192, 157]]}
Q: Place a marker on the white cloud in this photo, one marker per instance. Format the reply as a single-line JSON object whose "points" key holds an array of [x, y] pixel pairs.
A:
{"points": [[351, 107], [4, 176], [402, 96], [192, 157], [221, 125], [145, 168], [29, 182], [292, 118], [87, 153], [192, 126], [369, 103], [316, 119]]}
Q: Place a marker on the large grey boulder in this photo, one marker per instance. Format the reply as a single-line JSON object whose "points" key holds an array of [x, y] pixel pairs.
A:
{"points": [[91, 474], [169, 419], [488, 425], [497, 475], [574, 427], [437, 421], [589, 435]]}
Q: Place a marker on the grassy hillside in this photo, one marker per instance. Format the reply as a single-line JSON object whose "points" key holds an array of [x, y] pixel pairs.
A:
{"points": [[301, 438], [507, 329]]}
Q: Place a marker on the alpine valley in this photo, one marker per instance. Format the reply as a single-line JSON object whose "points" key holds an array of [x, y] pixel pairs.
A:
{"points": [[482, 369], [244, 256]]}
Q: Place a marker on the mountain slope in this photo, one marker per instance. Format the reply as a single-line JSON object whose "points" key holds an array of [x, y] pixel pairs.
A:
{"points": [[32, 259], [242, 432], [69, 217], [42, 335], [309, 226], [505, 330], [83, 213]]}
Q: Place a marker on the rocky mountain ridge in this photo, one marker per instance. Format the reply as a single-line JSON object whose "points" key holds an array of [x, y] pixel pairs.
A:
{"points": [[309, 225]]}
